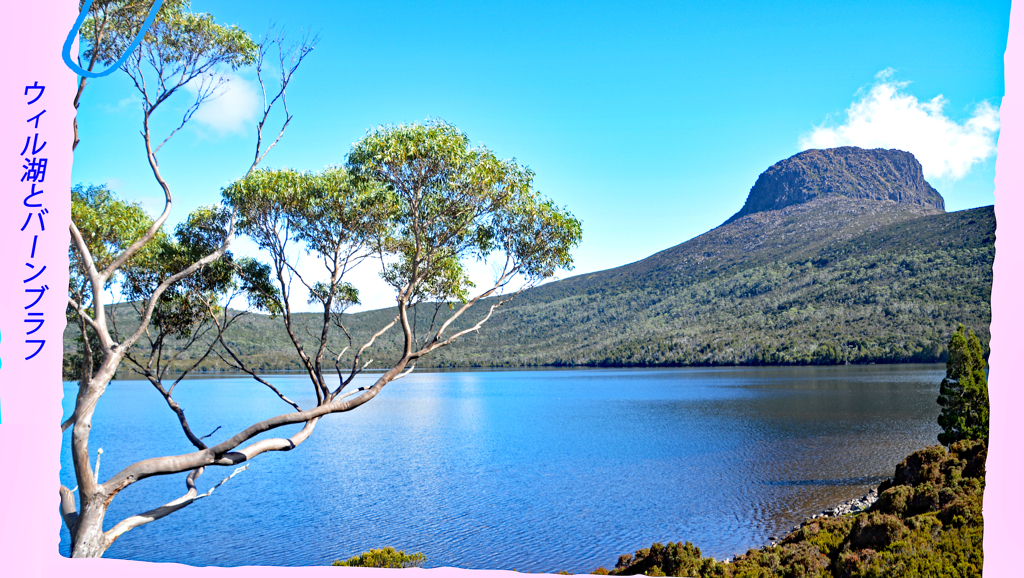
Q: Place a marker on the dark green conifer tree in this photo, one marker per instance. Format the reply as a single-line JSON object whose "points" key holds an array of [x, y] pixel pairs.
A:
{"points": [[963, 394]]}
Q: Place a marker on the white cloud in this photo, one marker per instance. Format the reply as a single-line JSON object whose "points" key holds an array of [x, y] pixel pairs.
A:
{"points": [[232, 108], [887, 116]]}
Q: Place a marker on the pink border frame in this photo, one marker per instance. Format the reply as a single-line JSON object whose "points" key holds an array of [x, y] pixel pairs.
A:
{"points": [[30, 394]]}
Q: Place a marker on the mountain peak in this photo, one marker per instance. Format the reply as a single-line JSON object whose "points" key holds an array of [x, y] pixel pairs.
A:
{"points": [[852, 172]]}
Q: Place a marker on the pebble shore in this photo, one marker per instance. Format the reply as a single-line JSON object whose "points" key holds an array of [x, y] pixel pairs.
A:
{"points": [[853, 506]]}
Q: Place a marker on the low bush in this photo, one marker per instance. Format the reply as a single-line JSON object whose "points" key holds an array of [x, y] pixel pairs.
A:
{"points": [[384, 558]]}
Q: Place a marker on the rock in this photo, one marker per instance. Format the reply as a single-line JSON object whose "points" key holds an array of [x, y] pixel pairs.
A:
{"points": [[853, 506], [850, 172]]}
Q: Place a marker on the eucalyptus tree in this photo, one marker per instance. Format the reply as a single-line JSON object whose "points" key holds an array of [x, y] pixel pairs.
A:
{"points": [[106, 33], [418, 198], [453, 203], [116, 247], [423, 202]]}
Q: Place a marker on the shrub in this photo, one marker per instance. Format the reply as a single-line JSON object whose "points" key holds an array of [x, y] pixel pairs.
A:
{"points": [[876, 531], [675, 559], [825, 534], [894, 500], [384, 558], [920, 467]]}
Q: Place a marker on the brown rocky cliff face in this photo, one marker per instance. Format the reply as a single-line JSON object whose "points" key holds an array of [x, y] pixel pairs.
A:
{"points": [[851, 172]]}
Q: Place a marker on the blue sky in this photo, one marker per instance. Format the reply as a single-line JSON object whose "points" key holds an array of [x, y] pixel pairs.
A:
{"points": [[650, 122]]}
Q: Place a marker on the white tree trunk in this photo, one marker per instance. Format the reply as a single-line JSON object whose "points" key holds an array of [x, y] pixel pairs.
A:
{"points": [[88, 540]]}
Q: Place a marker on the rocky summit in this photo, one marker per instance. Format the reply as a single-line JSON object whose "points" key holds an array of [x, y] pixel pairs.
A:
{"points": [[852, 172]]}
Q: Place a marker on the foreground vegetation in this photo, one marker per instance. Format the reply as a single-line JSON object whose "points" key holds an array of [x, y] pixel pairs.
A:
{"points": [[384, 558], [927, 522]]}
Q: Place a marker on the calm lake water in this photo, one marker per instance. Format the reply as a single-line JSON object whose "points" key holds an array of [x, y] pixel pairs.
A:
{"points": [[529, 470]]}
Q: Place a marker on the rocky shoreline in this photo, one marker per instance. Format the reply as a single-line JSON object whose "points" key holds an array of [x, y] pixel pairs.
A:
{"points": [[854, 506]]}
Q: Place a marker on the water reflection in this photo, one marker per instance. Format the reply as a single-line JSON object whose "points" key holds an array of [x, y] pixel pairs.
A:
{"points": [[533, 470], [863, 480]]}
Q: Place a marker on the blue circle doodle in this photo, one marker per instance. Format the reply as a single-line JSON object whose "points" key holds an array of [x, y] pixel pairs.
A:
{"points": [[66, 52]]}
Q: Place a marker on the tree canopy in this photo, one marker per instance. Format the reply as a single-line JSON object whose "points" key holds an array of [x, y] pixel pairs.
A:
{"points": [[963, 394], [454, 200]]}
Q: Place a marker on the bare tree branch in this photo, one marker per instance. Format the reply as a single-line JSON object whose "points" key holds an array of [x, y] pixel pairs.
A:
{"points": [[501, 282], [240, 365], [81, 312], [97, 282], [222, 454], [355, 359], [204, 91], [188, 499], [211, 433], [295, 53]]}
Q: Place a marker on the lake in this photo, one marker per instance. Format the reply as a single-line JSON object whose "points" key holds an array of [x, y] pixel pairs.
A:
{"points": [[540, 470]]}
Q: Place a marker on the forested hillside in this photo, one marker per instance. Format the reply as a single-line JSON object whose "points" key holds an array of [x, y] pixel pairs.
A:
{"points": [[885, 288], [825, 282]]}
